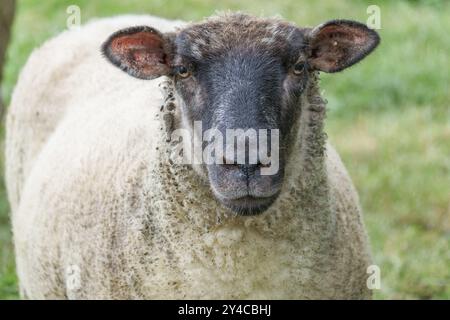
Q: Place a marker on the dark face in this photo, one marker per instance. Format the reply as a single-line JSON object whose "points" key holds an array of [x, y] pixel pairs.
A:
{"points": [[242, 73], [252, 82]]}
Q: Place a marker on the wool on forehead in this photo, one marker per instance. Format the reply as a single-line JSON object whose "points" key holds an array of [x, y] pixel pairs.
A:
{"points": [[227, 31]]}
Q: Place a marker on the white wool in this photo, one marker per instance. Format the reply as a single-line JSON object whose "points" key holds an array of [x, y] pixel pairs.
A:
{"points": [[98, 211]]}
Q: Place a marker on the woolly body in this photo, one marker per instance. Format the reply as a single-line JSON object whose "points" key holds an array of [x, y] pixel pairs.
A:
{"points": [[98, 211]]}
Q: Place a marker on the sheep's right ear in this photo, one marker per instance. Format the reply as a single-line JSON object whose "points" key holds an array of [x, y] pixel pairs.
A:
{"points": [[338, 44], [142, 52]]}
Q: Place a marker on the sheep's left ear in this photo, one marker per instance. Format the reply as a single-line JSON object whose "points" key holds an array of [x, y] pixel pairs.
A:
{"points": [[338, 44], [142, 52]]}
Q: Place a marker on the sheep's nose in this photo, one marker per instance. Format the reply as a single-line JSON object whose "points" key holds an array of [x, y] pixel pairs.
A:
{"points": [[247, 169]]}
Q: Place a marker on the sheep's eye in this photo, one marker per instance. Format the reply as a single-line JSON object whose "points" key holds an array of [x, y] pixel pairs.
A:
{"points": [[183, 72], [299, 68]]}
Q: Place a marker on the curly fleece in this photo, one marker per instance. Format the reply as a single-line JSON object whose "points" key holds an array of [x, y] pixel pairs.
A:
{"points": [[99, 211]]}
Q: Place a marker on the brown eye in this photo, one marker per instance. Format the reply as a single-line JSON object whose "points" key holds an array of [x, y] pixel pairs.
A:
{"points": [[183, 72], [299, 68]]}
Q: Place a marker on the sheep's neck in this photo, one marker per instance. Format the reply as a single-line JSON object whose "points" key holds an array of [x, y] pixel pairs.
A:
{"points": [[313, 179], [312, 138]]}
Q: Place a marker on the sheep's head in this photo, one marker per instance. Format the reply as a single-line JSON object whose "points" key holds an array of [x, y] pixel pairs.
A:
{"points": [[240, 72]]}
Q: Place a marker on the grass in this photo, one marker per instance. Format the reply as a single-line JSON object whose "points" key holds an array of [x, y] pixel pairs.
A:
{"points": [[389, 117]]}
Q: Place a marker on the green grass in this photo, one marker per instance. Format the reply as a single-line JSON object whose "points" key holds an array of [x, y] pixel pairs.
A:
{"points": [[389, 117]]}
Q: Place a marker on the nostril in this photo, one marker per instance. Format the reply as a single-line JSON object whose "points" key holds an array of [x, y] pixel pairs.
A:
{"points": [[263, 165], [229, 164], [259, 164], [249, 169]]}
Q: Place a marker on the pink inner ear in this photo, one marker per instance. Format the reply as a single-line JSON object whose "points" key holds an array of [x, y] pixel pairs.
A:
{"points": [[343, 33], [142, 54], [144, 46], [337, 46]]}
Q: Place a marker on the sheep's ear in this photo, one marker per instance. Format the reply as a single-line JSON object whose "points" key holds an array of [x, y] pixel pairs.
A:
{"points": [[338, 44], [142, 52]]}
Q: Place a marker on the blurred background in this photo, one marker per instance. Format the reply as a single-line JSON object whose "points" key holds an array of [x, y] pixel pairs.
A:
{"points": [[389, 117]]}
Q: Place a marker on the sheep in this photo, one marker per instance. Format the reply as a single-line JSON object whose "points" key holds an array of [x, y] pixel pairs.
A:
{"points": [[101, 211]]}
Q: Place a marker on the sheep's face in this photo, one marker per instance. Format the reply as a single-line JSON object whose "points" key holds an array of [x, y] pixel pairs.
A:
{"points": [[240, 81]]}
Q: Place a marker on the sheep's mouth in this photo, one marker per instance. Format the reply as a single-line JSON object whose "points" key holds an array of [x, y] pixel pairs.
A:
{"points": [[249, 205], [243, 192]]}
